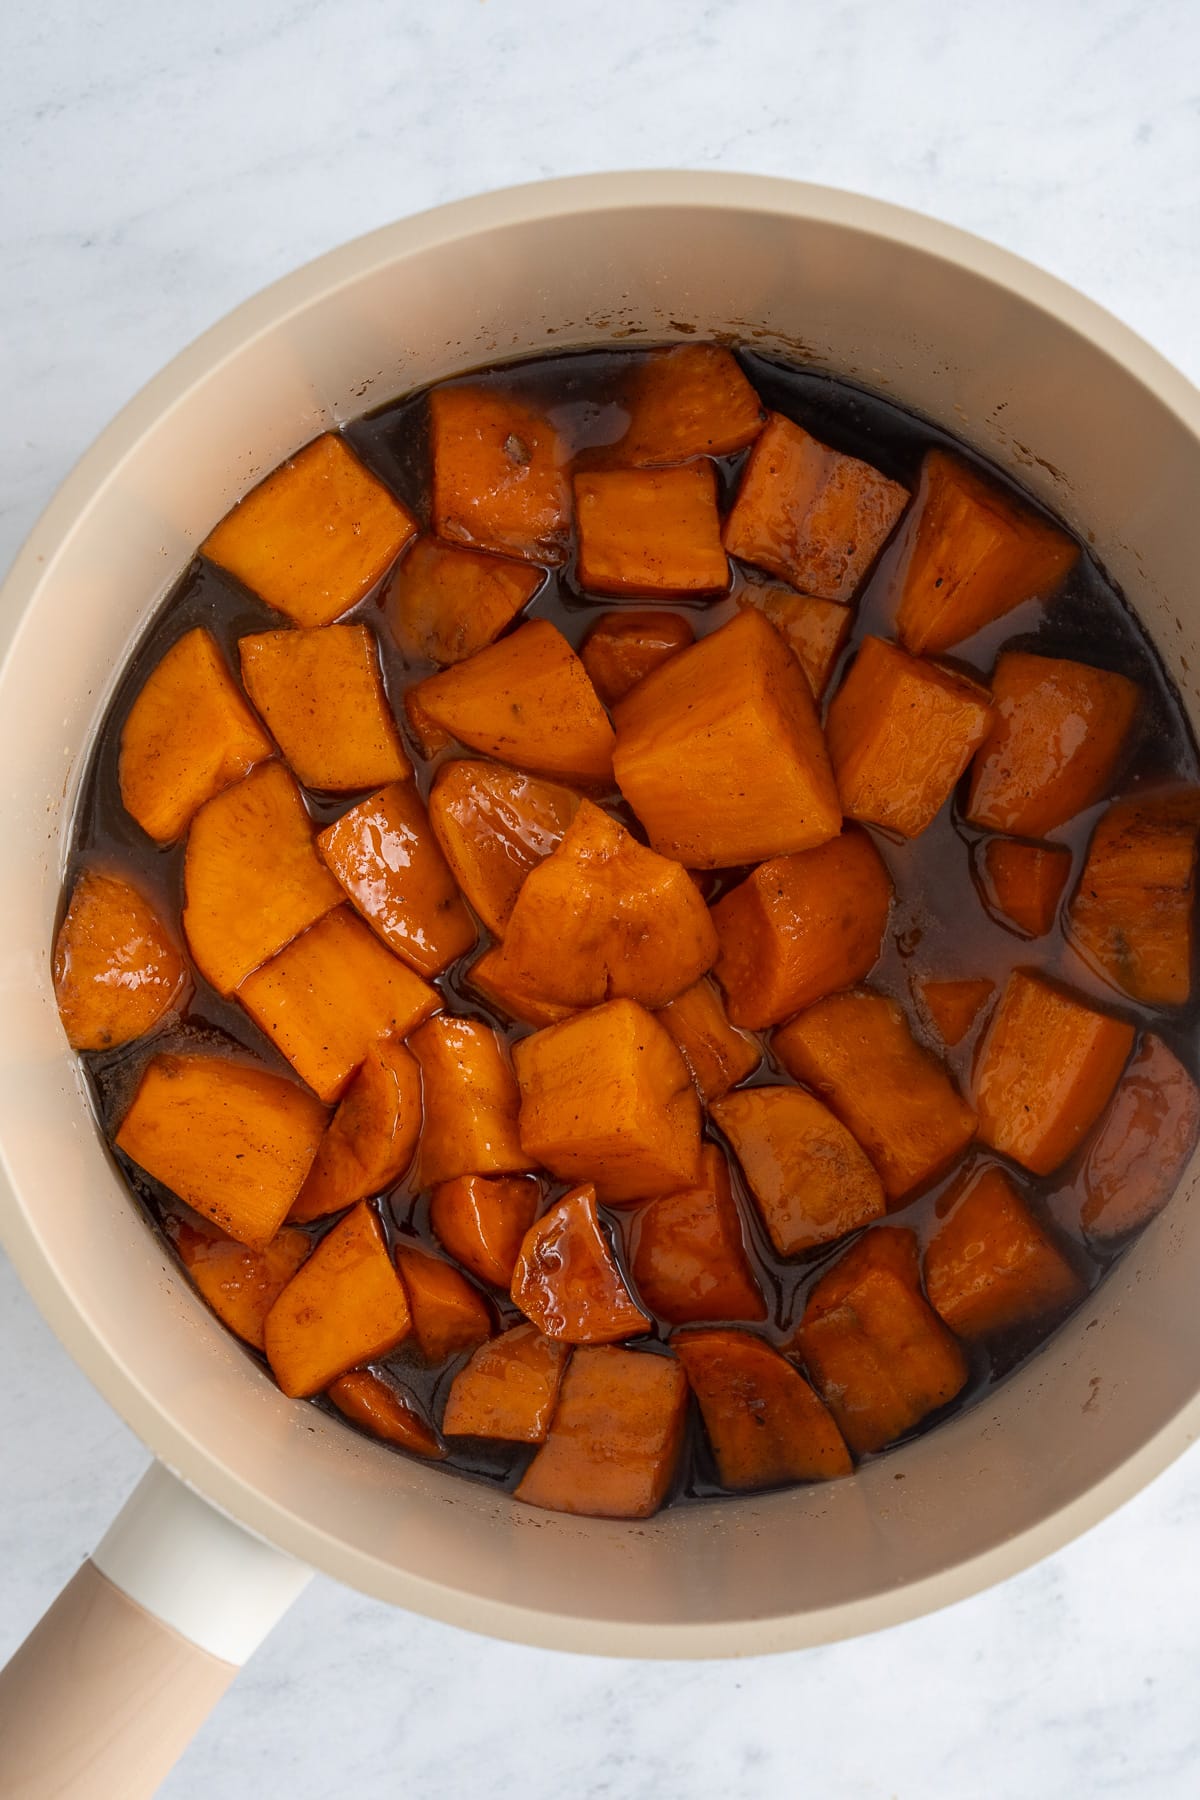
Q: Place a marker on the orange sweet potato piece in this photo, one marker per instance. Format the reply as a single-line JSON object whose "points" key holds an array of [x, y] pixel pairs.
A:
{"points": [[690, 400], [638, 1134], [1021, 884], [953, 1006], [689, 1256], [493, 980], [315, 536], [471, 1102], [233, 1141], [721, 755], [615, 1439], [252, 878], [717, 1054], [526, 700], [765, 1424], [1132, 917], [509, 1389], [1055, 743], [386, 857], [448, 1314], [901, 732], [1045, 1071], [566, 1278], [370, 1140], [989, 1265], [650, 531], [811, 1179], [116, 969], [857, 1052], [494, 825], [444, 604], [814, 630], [385, 1412], [810, 515], [345, 1306], [188, 734], [971, 553], [498, 480], [331, 995], [482, 1220], [800, 927], [622, 647], [1142, 1146], [321, 695], [241, 1285], [431, 739]]}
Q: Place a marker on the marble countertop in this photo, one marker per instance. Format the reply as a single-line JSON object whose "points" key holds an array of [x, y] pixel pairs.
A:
{"points": [[163, 163]]}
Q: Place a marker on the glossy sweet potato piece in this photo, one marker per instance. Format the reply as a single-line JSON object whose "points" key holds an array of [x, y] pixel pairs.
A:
{"points": [[720, 753], [614, 1443], [765, 1424], [901, 732], [482, 1220], [444, 604], [188, 734], [857, 1052], [801, 926], [526, 700], [371, 1139], [234, 1142], [493, 825], [622, 647], [330, 996], [990, 1266], [431, 738], [321, 695], [953, 1006], [1132, 917], [380, 1408], [810, 515], [509, 1389], [1045, 1071], [1142, 1145], [972, 552], [448, 1314], [345, 1306], [638, 1134], [498, 475], [386, 857], [688, 1259], [815, 631], [471, 1102], [252, 879], [811, 1179], [315, 536], [716, 1053], [116, 969], [567, 1280], [494, 981], [241, 1285], [690, 400], [650, 531], [1021, 884]]}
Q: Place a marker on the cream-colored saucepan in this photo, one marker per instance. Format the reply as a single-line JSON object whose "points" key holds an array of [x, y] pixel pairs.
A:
{"points": [[201, 1560]]}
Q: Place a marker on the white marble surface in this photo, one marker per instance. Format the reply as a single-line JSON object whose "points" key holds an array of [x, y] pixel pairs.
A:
{"points": [[160, 163]]}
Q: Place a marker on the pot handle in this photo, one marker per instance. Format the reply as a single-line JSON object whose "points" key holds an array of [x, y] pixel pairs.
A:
{"points": [[111, 1685]]}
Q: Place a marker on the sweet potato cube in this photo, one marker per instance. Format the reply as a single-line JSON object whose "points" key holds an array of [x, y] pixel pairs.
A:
{"points": [[876, 1352], [990, 1266], [116, 969], [448, 1314], [971, 553], [498, 475], [566, 1278], [526, 700], [953, 1006], [616, 1436], [1057, 735], [241, 1285], [494, 981], [252, 879], [650, 531], [321, 695], [330, 996], [689, 1257], [716, 1053], [1045, 1071], [371, 1139], [1142, 1146], [765, 1424], [493, 825], [444, 604], [482, 1220], [1021, 884], [690, 400], [384, 854], [811, 1179], [622, 647], [606, 1097], [386, 1412], [188, 734], [857, 1052], [471, 1102], [509, 1389], [801, 926], [720, 753], [315, 536], [815, 631], [1132, 917], [234, 1142], [901, 732], [345, 1306], [430, 737], [810, 515]]}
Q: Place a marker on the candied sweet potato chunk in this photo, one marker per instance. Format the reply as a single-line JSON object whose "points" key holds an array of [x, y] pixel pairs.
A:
{"points": [[431, 738], [901, 732], [650, 531], [498, 477], [815, 631], [240, 1284], [345, 1306], [1132, 917], [233, 1141], [1142, 1146], [444, 603], [493, 980], [810, 515], [321, 695], [606, 1097], [990, 1266], [614, 1443], [116, 969], [448, 1314], [621, 647], [1021, 884], [371, 1138], [953, 1006], [800, 927], [811, 1179], [567, 1280], [690, 400], [380, 1408], [482, 1220], [509, 1389], [718, 1055], [765, 1424], [471, 1102], [689, 1257], [494, 825], [315, 536], [720, 753], [857, 1052], [1045, 1071]]}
